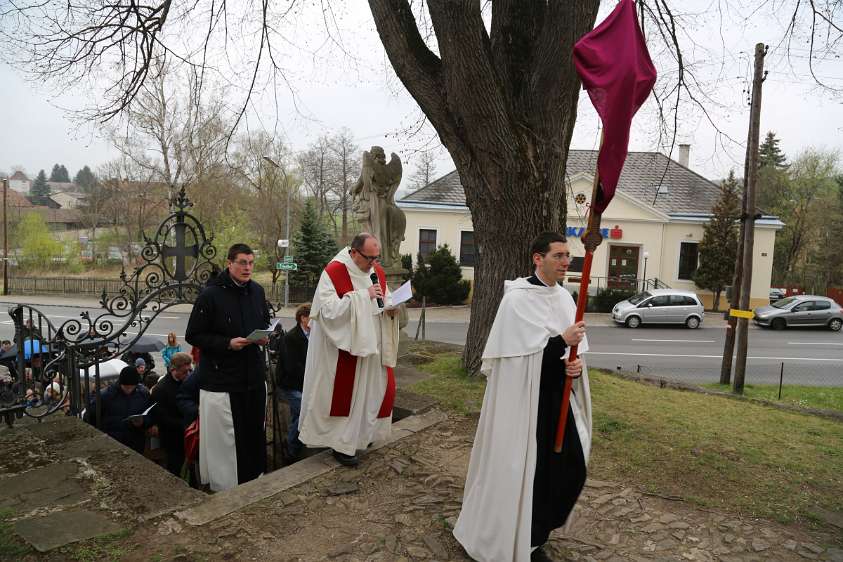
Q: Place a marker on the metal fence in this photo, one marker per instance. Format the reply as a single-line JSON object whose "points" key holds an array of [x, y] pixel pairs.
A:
{"points": [[62, 286], [771, 373], [19, 285]]}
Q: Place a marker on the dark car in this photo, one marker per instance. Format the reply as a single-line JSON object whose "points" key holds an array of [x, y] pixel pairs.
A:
{"points": [[777, 294], [800, 310]]}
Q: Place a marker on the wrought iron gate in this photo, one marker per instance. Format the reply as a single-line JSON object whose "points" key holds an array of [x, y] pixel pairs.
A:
{"points": [[69, 358]]}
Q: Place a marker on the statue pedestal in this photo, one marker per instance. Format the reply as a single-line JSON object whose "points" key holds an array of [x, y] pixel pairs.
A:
{"points": [[394, 279]]}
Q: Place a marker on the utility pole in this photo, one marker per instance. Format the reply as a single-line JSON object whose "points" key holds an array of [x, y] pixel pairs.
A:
{"points": [[749, 218], [734, 301], [5, 238]]}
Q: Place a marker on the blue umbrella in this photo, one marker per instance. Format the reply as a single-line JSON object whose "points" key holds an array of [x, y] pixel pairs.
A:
{"points": [[32, 346]]}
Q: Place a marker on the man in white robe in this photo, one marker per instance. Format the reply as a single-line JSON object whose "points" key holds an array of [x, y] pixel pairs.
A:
{"points": [[349, 384], [517, 489]]}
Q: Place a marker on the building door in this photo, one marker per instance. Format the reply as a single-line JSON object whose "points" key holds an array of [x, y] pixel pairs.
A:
{"points": [[623, 267]]}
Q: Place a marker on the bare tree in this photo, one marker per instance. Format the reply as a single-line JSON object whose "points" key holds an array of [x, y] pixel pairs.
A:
{"points": [[262, 165], [133, 198], [316, 168], [346, 167], [170, 132], [425, 170]]}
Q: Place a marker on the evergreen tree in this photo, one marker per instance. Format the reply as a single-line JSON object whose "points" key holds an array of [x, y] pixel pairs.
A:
{"points": [[313, 248], [407, 265], [440, 279], [39, 186], [719, 245], [773, 185], [85, 179], [770, 155], [59, 174]]}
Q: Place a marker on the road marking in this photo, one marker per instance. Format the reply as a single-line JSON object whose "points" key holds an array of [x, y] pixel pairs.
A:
{"points": [[709, 356], [813, 343], [677, 341]]}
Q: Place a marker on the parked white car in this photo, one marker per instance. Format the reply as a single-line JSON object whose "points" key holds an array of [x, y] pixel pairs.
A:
{"points": [[660, 306]]}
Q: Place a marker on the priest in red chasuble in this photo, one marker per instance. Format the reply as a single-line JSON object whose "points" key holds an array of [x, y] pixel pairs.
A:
{"points": [[349, 384]]}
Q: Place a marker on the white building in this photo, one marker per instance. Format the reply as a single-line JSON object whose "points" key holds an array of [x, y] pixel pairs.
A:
{"points": [[19, 182], [651, 229]]}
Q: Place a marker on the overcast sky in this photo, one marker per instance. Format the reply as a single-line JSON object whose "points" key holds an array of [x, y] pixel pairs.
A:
{"points": [[361, 93]]}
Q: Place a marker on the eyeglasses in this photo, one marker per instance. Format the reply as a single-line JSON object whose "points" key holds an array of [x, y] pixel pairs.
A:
{"points": [[368, 258], [244, 263]]}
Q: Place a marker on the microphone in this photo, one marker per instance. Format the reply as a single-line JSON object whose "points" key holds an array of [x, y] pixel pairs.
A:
{"points": [[374, 278]]}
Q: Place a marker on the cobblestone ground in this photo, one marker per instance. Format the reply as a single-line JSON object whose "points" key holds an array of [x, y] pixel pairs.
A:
{"points": [[401, 502]]}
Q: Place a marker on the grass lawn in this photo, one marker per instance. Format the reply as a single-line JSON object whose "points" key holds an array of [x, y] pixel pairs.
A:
{"points": [[714, 451], [820, 397]]}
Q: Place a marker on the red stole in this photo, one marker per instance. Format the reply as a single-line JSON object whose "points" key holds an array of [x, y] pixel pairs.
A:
{"points": [[346, 362]]}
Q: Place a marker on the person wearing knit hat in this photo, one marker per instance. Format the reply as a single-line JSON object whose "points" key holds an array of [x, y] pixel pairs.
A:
{"points": [[117, 403], [129, 377]]}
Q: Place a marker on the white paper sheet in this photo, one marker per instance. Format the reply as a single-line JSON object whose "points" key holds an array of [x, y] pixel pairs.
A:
{"points": [[400, 295]]}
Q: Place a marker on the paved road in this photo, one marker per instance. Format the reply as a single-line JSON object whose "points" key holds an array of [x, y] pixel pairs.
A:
{"points": [[810, 356]]}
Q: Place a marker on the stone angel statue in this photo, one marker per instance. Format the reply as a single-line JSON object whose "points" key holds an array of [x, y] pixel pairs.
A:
{"points": [[374, 203]]}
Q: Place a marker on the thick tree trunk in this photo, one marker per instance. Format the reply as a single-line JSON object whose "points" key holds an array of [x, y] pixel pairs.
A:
{"points": [[504, 103], [503, 229]]}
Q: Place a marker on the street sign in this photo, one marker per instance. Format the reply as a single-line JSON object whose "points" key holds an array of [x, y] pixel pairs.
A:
{"points": [[283, 243], [287, 266], [288, 259]]}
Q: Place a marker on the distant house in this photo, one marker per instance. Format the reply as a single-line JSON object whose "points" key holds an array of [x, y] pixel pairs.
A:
{"points": [[19, 182], [59, 219], [68, 199], [43, 201], [15, 200]]}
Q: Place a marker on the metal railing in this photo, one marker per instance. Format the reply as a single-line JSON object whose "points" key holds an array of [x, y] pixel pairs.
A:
{"points": [[599, 283]]}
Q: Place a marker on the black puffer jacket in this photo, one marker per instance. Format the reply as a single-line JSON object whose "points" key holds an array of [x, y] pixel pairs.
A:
{"points": [[116, 407], [224, 311]]}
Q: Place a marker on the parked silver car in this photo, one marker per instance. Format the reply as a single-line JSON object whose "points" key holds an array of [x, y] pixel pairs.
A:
{"points": [[660, 306], [801, 310]]}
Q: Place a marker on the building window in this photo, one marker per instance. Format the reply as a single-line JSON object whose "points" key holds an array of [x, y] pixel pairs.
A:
{"points": [[688, 260], [467, 248], [427, 242], [576, 264]]}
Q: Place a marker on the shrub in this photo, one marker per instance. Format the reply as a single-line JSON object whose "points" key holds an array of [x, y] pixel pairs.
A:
{"points": [[407, 264], [440, 279]]}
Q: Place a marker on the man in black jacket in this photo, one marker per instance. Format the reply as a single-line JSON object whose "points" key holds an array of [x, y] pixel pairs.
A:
{"points": [[127, 397], [167, 415], [291, 373], [232, 396]]}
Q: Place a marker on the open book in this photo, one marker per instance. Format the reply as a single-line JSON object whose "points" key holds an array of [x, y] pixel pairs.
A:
{"points": [[140, 416], [257, 335]]}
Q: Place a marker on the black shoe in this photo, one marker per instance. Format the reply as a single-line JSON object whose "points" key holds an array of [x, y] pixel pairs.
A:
{"points": [[346, 460], [539, 555]]}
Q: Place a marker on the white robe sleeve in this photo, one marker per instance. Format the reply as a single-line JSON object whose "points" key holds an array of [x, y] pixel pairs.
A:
{"points": [[346, 322]]}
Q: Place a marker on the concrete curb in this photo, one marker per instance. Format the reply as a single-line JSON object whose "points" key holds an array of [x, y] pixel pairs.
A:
{"points": [[224, 503]]}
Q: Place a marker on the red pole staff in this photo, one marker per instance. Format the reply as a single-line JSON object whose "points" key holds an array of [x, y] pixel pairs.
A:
{"points": [[590, 239]]}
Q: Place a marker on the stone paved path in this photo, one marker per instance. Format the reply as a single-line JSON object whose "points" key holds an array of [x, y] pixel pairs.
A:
{"points": [[400, 504]]}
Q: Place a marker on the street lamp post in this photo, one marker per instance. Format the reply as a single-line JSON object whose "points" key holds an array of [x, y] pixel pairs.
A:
{"points": [[644, 282], [287, 225]]}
